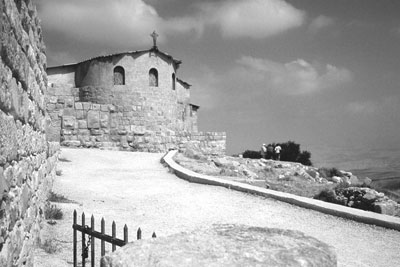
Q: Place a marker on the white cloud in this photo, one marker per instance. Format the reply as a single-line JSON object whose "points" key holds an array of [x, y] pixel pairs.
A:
{"points": [[115, 23], [252, 18], [126, 23], [295, 78], [320, 23]]}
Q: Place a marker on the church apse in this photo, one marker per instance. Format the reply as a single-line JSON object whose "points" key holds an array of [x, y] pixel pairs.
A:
{"points": [[126, 101]]}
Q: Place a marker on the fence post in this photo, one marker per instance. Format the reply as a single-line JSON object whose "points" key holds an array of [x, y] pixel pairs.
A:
{"points": [[113, 235], [126, 234], [103, 247], [83, 240], [93, 234], [74, 241], [93, 239]]}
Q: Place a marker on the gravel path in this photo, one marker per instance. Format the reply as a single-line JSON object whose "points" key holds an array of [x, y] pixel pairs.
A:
{"points": [[134, 188]]}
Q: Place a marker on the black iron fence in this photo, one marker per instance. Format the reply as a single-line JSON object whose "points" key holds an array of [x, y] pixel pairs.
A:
{"points": [[89, 245]]}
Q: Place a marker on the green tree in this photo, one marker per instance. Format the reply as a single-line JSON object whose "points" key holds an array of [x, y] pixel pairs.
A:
{"points": [[250, 154], [291, 152]]}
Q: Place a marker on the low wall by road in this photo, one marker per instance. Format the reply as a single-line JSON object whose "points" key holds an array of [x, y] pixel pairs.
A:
{"points": [[325, 207]]}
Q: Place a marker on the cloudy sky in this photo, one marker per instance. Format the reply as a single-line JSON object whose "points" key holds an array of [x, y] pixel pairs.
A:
{"points": [[316, 72]]}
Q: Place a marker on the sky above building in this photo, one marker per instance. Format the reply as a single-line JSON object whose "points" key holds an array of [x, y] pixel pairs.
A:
{"points": [[315, 72]]}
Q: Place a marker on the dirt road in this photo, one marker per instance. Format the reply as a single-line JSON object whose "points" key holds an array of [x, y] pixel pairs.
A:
{"points": [[134, 188]]}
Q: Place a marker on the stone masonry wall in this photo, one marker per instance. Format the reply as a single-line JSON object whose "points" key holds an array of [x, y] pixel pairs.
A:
{"points": [[27, 160], [133, 117], [87, 124]]}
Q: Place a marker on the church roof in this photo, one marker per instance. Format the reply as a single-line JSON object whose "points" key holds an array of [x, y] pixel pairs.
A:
{"points": [[152, 50], [183, 82], [195, 106]]}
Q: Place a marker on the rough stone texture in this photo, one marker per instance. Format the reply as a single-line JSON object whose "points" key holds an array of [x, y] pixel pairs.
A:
{"points": [[291, 177], [361, 198], [132, 117], [27, 160], [226, 245]]}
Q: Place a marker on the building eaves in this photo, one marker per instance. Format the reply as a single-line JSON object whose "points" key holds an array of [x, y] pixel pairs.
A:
{"points": [[195, 106], [183, 83], [153, 50], [64, 65]]}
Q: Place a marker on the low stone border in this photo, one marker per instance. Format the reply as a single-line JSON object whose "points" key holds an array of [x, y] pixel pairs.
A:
{"points": [[309, 203]]}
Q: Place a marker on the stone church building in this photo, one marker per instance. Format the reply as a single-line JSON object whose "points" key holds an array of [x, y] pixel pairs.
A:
{"points": [[130, 101]]}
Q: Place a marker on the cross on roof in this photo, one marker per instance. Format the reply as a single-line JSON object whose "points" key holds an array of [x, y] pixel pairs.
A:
{"points": [[154, 35]]}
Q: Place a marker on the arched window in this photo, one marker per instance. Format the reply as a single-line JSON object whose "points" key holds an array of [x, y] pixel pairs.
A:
{"points": [[173, 81], [153, 77], [119, 75]]}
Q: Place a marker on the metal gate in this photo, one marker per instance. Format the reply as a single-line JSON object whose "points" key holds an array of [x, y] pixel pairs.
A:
{"points": [[92, 234]]}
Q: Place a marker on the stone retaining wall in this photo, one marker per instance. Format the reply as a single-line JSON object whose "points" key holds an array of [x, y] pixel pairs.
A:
{"points": [[76, 123], [27, 160]]}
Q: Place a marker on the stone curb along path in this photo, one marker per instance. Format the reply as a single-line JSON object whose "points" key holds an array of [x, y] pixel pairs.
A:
{"points": [[309, 203]]}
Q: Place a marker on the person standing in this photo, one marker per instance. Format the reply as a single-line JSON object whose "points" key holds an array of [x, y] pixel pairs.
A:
{"points": [[263, 151], [270, 152], [278, 149]]}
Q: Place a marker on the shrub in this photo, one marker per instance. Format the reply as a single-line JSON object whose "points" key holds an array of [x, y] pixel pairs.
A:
{"points": [[250, 154], [304, 158], [290, 152], [342, 185], [53, 213], [64, 160], [327, 195], [329, 172], [54, 197], [49, 246]]}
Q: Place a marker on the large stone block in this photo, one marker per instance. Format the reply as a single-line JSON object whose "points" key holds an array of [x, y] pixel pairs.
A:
{"points": [[8, 137], [93, 119], [63, 90], [68, 122], [69, 112], [104, 119], [80, 114], [72, 143], [78, 105], [96, 132], [69, 102], [96, 106], [138, 130], [86, 105], [231, 245], [82, 124], [104, 108]]}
